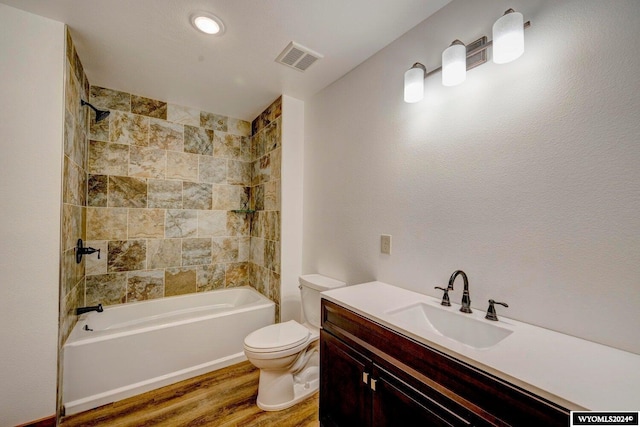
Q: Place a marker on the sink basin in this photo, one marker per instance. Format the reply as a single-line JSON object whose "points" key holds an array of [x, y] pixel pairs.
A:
{"points": [[424, 318]]}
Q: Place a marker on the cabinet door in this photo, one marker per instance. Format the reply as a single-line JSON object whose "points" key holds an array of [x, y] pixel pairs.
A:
{"points": [[396, 403], [345, 399]]}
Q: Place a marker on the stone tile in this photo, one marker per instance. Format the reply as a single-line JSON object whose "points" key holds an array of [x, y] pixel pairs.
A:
{"points": [[239, 173], [237, 274], [72, 92], [196, 195], [196, 251], [257, 197], [273, 136], [210, 277], [74, 183], [127, 192], [110, 99], [274, 288], [272, 225], [106, 224], [145, 162], [245, 149], [227, 145], [145, 285], [182, 166], [212, 169], [213, 121], [198, 140], [261, 170], [69, 131], [106, 289], [259, 279], [244, 249], [183, 115], [272, 195], [212, 223], [163, 253], [276, 163], [164, 194], [238, 224], [228, 197], [224, 249], [179, 281], [238, 127], [127, 128], [180, 223], [108, 159], [272, 255], [148, 107], [165, 135], [146, 223], [126, 255], [99, 130], [93, 265], [72, 225], [257, 251]]}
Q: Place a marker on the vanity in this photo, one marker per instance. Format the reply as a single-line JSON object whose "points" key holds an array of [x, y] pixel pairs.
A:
{"points": [[390, 356]]}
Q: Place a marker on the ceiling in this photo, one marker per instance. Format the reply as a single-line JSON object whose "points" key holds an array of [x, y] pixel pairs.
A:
{"points": [[149, 48]]}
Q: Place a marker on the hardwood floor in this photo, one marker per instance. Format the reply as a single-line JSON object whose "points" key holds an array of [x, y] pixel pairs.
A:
{"points": [[225, 398]]}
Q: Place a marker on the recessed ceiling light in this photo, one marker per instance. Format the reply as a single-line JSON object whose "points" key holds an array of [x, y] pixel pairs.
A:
{"points": [[207, 23]]}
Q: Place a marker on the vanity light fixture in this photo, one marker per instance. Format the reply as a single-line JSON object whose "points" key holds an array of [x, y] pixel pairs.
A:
{"points": [[207, 23], [457, 59]]}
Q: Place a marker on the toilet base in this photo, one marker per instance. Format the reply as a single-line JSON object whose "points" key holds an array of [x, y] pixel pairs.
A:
{"points": [[303, 388]]}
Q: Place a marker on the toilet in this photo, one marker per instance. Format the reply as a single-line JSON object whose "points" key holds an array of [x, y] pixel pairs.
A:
{"points": [[287, 353]]}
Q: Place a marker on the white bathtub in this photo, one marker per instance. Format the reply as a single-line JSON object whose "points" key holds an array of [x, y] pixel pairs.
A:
{"points": [[141, 346]]}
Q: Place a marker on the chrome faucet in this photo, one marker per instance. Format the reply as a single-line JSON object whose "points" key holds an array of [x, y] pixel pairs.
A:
{"points": [[466, 299]]}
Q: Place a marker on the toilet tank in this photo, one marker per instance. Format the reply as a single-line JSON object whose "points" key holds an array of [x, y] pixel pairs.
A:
{"points": [[310, 287]]}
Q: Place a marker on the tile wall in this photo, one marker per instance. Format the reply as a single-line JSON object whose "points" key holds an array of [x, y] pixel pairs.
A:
{"points": [[266, 152], [74, 199]]}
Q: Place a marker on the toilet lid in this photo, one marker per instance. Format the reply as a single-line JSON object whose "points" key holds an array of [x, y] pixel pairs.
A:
{"points": [[277, 337]]}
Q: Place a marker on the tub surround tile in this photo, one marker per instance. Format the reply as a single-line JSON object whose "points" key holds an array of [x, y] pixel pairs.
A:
{"points": [[127, 192], [127, 128], [182, 166], [106, 224], [126, 255], [213, 121], [163, 253], [148, 107], [238, 224], [164, 194], [145, 285], [237, 274], [261, 170], [179, 281], [257, 251], [74, 183], [183, 115], [239, 173], [180, 223], [198, 140], [108, 159], [212, 169], [244, 249], [271, 113], [99, 130], [147, 162], [104, 98], [106, 289], [196, 196], [225, 249], [196, 251], [73, 225], [212, 223], [272, 195], [146, 223], [72, 92], [210, 277], [238, 127], [227, 145], [93, 265], [272, 255], [276, 163], [257, 198], [69, 130], [259, 279], [229, 197], [165, 135]]}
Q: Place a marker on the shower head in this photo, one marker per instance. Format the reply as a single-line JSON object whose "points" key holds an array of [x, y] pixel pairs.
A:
{"points": [[100, 114]]}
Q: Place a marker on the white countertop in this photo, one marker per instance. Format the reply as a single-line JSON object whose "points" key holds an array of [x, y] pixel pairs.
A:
{"points": [[570, 371]]}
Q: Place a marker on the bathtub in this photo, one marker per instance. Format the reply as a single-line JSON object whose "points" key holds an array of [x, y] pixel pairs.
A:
{"points": [[133, 348]]}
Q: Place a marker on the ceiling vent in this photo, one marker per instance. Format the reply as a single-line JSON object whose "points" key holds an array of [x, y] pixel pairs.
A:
{"points": [[298, 57]]}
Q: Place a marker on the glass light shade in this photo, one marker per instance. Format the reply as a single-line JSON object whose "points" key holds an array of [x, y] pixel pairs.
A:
{"points": [[414, 85], [454, 64], [508, 38], [207, 23]]}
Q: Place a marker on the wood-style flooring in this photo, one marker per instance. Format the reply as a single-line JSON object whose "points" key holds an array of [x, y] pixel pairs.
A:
{"points": [[225, 398]]}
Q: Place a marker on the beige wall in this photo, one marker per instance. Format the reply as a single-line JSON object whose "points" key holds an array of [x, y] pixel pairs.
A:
{"points": [[31, 129], [525, 176]]}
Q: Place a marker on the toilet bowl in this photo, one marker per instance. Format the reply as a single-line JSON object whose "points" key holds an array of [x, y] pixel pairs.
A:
{"points": [[287, 353]]}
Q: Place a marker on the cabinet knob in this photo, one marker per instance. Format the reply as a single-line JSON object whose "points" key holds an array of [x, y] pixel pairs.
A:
{"points": [[373, 384], [365, 377]]}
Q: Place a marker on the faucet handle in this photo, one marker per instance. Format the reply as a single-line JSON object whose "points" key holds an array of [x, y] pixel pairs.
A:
{"points": [[445, 296], [491, 311]]}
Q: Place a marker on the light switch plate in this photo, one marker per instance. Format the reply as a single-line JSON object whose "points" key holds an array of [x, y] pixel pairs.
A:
{"points": [[385, 244]]}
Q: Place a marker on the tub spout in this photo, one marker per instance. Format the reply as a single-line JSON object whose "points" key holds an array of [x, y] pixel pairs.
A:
{"points": [[82, 310]]}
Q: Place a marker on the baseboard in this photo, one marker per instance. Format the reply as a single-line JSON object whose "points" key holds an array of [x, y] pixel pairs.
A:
{"points": [[42, 422]]}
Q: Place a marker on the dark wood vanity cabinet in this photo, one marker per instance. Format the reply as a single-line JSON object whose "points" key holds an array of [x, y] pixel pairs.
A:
{"points": [[373, 376]]}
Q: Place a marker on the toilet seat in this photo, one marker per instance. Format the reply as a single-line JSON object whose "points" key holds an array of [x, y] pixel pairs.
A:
{"points": [[277, 337]]}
